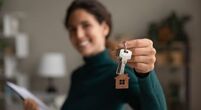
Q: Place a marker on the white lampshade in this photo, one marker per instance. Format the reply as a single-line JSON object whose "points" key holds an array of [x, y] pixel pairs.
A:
{"points": [[52, 65]]}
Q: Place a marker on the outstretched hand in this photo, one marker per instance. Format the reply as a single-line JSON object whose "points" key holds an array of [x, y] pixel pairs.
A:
{"points": [[143, 55]]}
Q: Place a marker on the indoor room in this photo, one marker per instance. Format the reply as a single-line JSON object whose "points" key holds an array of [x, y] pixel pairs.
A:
{"points": [[133, 54]]}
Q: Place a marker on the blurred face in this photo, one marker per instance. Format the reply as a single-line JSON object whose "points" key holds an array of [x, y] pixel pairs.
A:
{"points": [[86, 33]]}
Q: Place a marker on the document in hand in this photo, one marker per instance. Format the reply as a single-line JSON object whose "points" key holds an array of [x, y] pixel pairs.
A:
{"points": [[24, 93]]}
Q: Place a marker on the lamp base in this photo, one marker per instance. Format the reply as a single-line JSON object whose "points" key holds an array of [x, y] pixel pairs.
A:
{"points": [[51, 88]]}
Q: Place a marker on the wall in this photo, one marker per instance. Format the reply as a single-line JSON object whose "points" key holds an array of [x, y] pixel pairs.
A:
{"points": [[43, 22]]}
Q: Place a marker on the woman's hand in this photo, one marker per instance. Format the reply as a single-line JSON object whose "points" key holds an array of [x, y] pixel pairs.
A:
{"points": [[30, 104], [143, 57]]}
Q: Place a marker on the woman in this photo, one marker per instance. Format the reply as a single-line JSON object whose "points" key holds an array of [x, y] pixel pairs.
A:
{"points": [[92, 85]]}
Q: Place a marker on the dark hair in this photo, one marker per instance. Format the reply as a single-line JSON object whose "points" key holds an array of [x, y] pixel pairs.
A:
{"points": [[93, 7]]}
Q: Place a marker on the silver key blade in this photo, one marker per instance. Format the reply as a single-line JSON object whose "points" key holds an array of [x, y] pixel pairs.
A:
{"points": [[121, 66]]}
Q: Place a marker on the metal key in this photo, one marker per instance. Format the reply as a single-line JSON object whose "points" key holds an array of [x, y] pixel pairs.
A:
{"points": [[124, 56]]}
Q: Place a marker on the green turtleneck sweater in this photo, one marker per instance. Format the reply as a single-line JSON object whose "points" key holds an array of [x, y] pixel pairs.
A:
{"points": [[93, 88]]}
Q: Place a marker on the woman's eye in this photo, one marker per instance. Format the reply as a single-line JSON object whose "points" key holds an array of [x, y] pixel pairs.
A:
{"points": [[86, 25]]}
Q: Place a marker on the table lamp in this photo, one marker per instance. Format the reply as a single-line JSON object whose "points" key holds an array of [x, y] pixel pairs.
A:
{"points": [[52, 65]]}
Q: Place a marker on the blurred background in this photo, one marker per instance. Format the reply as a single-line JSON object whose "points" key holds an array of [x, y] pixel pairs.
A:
{"points": [[33, 38]]}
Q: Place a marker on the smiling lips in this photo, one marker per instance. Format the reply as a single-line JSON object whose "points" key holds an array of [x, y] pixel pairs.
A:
{"points": [[83, 44]]}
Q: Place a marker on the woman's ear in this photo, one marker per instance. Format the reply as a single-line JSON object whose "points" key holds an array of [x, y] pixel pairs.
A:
{"points": [[106, 29]]}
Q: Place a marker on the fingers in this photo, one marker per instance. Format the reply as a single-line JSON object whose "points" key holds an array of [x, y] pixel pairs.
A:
{"points": [[143, 51], [142, 64], [142, 67], [30, 104], [143, 54], [143, 59], [137, 43]]}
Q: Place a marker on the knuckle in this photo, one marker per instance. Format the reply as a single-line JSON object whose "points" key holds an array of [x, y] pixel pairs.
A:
{"points": [[149, 68], [137, 43], [152, 67], [154, 51], [135, 59], [139, 58], [151, 43], [152, 60], [137, 65], [134, 51]]}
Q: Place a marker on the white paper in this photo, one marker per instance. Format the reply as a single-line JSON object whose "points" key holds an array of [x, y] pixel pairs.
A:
{"points": [[24, 93]]}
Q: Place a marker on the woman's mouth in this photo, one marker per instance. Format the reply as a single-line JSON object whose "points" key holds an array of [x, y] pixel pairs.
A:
{"points": [[83, 44]]}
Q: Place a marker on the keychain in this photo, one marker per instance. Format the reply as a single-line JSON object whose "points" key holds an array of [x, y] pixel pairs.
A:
{"points": [[122, 80]]}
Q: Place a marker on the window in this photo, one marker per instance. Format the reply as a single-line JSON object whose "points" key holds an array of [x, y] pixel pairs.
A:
{"points": [[121, 82]]}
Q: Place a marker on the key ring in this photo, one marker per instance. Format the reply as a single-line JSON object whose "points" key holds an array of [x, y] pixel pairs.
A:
{"points": [[125, 47]]}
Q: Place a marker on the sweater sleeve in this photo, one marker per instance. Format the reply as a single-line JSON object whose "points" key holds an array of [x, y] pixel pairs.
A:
{"points": [[145, 93]]}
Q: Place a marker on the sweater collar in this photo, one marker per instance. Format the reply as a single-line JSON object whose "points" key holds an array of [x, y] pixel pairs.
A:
{"points": [[99, 58]]}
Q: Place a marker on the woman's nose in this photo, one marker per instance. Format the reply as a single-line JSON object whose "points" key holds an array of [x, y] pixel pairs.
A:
{"points": [[80, 33]]}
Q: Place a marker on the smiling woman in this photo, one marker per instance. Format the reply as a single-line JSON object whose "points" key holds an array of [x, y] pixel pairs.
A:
{"points": [[93, 84], [86, 34]]}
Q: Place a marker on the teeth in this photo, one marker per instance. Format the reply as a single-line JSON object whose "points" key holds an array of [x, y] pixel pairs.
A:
{"points": [[84, 43]]}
